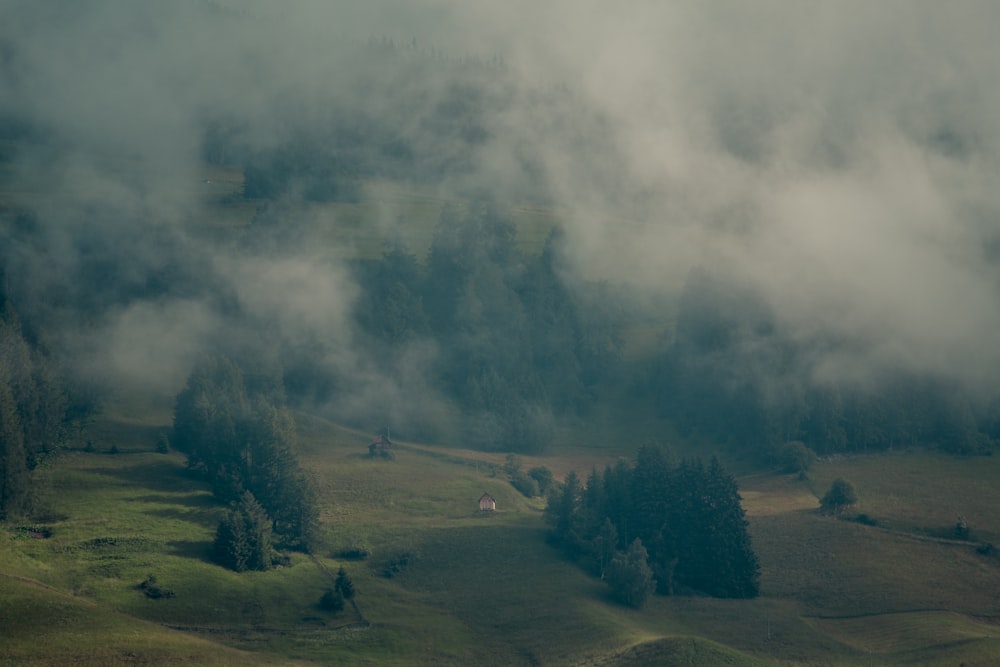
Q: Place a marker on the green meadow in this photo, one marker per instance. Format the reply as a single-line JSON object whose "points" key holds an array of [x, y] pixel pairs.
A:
{"points": [[443, 583]]}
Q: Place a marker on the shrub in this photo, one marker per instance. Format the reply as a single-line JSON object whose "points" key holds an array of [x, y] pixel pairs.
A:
{"points": [[352, 553], [629, 576], [796, 457], [543, 477], [961, 529], [394, 566], [525, 484], [840, 496], [154, 591]]}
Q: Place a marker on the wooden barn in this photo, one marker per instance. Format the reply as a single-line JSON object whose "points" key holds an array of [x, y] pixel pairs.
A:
{"points": [[487, 503]]}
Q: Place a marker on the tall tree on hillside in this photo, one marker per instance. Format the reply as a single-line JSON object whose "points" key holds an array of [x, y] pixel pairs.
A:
{"points": [[243, 538], [206, 413], [563, 515], [726, 548], [13, 461], [40, 402]]}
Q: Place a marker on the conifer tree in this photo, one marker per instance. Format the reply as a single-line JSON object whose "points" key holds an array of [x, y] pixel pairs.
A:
{"points": [[13, 461], [728, 550], [343, 584], [564, 515], [243, 539]]}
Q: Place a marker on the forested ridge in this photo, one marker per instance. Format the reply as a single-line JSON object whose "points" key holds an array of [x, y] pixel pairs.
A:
{"points": [[513, 339]]}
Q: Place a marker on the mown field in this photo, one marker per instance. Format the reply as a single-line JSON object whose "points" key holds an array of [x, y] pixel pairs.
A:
{"points": [[468, 588]]}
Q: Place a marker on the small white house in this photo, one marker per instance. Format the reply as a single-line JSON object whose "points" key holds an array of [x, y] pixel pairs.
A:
{"points": [[487, 503]]}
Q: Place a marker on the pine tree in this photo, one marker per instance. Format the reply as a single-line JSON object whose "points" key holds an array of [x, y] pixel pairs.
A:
{"points": [[344, 585], [243, 538], [605, 545], [651, 500], [13, 461], [332, 600], [564, 515], [728, 549]]}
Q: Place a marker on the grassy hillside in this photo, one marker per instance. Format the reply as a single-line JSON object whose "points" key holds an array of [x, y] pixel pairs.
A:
{"points": [[468, 588]]}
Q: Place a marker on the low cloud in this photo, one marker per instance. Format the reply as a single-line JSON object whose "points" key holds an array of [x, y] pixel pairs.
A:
{"points": [[839, 160]]}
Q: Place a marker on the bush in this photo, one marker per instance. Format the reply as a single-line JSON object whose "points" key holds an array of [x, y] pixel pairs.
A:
{"points": [[543, 477], [629, 576], [840, 496], [795, 457], [525, 484], [866, 520], [394, 566], [152, 590]]}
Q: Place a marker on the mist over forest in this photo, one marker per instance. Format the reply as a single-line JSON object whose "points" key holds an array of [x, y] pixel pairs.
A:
{"points": [[799, 198]]}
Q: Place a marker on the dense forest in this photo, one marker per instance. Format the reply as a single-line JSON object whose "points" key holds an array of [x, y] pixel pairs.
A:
{"points": [[680, 521]]}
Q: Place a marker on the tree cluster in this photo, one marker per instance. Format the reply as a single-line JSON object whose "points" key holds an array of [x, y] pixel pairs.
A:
{"points": [[686, 518], [244, 445], [32, 413], [343, 589]]}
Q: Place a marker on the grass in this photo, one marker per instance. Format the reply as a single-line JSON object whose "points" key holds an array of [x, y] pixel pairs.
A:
{"points": [[45, 626], [478, 588]]}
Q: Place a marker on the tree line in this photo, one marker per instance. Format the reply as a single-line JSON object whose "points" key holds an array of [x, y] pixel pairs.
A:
{"points": [[732, 375], [244, 445], [656, 525]]}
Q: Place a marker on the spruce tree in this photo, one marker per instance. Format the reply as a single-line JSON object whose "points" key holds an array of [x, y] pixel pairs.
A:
{"points": [[14, 483], [728, 549], [243, 538], [344, 585], [564, 515]]}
